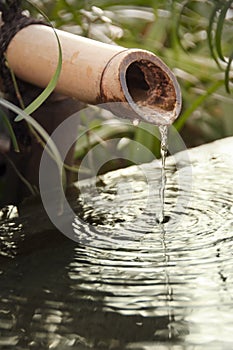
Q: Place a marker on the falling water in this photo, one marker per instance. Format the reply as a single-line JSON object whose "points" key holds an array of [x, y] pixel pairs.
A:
{"points": [[163, 129]]}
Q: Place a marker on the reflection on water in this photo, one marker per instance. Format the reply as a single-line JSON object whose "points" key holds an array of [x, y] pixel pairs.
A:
{"points": [[136, 284]]}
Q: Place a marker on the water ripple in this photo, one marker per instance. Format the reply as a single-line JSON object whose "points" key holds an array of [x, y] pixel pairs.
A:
{"points": [[130, 283], [145, 268]]}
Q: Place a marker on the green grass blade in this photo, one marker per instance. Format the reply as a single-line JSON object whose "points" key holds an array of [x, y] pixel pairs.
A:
{"points": [[227, 74], [213, 15], [219, 29], [105, 132], [187, 113], [16, 88], [22, 178], [10, 130], [178, 23], [38, 128], [53, 82]]}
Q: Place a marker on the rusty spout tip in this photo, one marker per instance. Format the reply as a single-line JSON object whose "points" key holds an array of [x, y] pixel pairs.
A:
{"points": [[151, 89], [145, 84]]}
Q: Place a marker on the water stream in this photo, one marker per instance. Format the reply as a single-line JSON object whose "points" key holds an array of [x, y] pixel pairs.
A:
{"points": [[163, 129], [130, 283]]}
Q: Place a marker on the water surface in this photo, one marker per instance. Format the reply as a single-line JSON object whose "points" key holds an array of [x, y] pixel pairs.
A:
{"points": [[129, 283]]}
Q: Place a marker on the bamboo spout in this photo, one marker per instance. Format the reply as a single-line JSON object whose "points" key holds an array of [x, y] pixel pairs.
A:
{"points": [[95, 72]]}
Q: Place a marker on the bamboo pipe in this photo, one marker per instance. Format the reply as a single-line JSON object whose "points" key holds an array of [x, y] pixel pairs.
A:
{"points": [[95, 73]]}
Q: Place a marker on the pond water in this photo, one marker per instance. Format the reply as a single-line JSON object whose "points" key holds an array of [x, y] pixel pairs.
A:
{"points": [[129, 283]]}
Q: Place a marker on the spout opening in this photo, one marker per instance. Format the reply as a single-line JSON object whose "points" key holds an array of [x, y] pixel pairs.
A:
{"points": [[150, 88]]}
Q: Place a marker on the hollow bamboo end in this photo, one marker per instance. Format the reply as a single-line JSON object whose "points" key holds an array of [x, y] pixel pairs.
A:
{"points": [[147, 85]]}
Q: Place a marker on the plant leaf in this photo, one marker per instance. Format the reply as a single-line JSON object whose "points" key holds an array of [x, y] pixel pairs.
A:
{"points": [[53, 82], [187, 113], [213, 15], [219, 29], [227, 74], [37, 127], [178, 22], [10, 130]]}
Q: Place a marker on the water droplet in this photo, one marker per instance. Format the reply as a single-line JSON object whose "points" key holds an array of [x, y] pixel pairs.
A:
{"points": [[135, 122], [164, 220]]}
